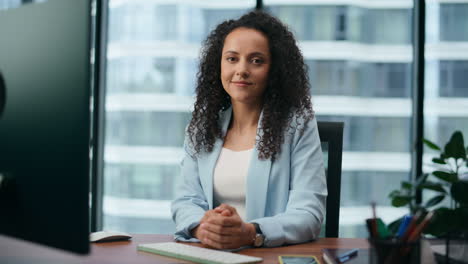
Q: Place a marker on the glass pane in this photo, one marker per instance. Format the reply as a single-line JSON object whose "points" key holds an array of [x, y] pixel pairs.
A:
{"points": [[151, 69], [446, 79], [359, 56]]}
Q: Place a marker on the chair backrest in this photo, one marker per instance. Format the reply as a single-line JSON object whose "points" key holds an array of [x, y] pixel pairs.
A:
{"points": [[331, 137]]}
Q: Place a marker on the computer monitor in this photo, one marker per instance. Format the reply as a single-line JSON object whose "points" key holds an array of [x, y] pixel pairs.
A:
{"points": [[45, 124]]}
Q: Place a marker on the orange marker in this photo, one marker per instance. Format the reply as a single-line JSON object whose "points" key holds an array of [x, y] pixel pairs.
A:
{"points": [[418, 230]]}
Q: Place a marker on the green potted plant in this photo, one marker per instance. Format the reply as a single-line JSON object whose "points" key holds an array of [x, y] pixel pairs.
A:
{"points": [[449, 180]]}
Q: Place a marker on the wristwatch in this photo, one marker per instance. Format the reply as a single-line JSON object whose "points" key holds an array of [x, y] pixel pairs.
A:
{"points": [[259, 237]]}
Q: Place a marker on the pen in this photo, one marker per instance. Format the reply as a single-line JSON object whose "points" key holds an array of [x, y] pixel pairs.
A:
{"points": [[347, 255]]}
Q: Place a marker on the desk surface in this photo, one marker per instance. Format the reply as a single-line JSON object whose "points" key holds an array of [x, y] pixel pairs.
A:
{"points": [[17, 251]]}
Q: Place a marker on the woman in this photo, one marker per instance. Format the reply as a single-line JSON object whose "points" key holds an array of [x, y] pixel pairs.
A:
{"points": [[252, 146]]}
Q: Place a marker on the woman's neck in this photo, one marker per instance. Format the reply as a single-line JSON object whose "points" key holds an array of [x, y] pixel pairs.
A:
{"points": [[245, 117]]}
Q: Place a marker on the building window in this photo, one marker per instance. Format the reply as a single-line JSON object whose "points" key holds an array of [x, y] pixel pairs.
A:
{"points": [[453, 80], [454, 22]]}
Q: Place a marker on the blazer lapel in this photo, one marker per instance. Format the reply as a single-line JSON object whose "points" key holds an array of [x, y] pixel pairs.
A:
{"points": [[257, 183], [207, 161]]}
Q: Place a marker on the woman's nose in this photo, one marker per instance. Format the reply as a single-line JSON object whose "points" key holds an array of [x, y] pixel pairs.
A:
{"points": [[242, 70]]}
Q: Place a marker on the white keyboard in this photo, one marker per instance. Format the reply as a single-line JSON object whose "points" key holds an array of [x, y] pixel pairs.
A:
{"points": [[197, 254]]}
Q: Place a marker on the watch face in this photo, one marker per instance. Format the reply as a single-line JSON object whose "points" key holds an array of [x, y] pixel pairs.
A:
{"points": [[259, 240]]}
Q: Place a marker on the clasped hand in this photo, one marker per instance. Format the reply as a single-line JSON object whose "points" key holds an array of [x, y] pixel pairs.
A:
{"points": [[222, 228]]}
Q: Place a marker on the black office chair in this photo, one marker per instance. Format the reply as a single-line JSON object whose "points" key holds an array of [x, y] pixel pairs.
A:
{"points": [[331, 137]]}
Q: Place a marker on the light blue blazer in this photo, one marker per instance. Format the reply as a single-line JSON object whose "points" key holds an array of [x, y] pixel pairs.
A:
{"points": [[285, 197]]}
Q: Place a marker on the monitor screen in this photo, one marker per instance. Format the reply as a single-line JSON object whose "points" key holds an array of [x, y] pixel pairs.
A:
{"points": [[45, 124]]}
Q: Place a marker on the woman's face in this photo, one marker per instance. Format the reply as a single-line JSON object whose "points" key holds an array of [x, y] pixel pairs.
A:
{"points": [[245, 63]]}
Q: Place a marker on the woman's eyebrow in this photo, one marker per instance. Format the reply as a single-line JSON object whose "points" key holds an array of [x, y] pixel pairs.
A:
{"points": [[231, 51], [256, 53]]}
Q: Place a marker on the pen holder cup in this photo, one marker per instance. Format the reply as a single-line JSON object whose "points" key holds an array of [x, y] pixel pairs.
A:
{"points": [[392, 251]]}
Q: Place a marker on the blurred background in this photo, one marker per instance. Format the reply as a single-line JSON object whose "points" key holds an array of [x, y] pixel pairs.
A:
{"points": [[359, 54]]}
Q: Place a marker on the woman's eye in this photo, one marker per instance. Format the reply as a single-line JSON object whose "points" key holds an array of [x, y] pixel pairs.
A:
{"points": [[231, 59], [257, 61]]}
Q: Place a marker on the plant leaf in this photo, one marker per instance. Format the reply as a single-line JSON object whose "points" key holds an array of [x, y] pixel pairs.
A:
{"points": [[434, 200], [455, 148], [446, 176], [393, 194], [438, 161], [459, 191], [432, 186], [431, 145], [406, 185], [441, 223], [421, 179], [401, 200]]}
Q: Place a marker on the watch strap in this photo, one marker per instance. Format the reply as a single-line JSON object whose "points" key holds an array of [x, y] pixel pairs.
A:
{"points": [[257, 229]]}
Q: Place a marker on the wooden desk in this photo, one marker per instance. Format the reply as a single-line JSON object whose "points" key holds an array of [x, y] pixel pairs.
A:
{"points": [[17, 251]]}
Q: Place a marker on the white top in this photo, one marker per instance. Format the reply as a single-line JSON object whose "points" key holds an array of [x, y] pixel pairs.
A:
{"points": [[229, 178]]}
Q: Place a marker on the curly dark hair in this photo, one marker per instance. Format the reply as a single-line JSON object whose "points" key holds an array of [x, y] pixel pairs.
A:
{"points": [[287, 93]]}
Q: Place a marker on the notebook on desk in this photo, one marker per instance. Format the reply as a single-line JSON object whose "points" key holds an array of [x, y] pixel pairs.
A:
{"points": [[331, 256]]}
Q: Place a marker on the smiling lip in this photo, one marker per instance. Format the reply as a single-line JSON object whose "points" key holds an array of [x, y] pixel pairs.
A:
{"points": [[242, 84]]}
